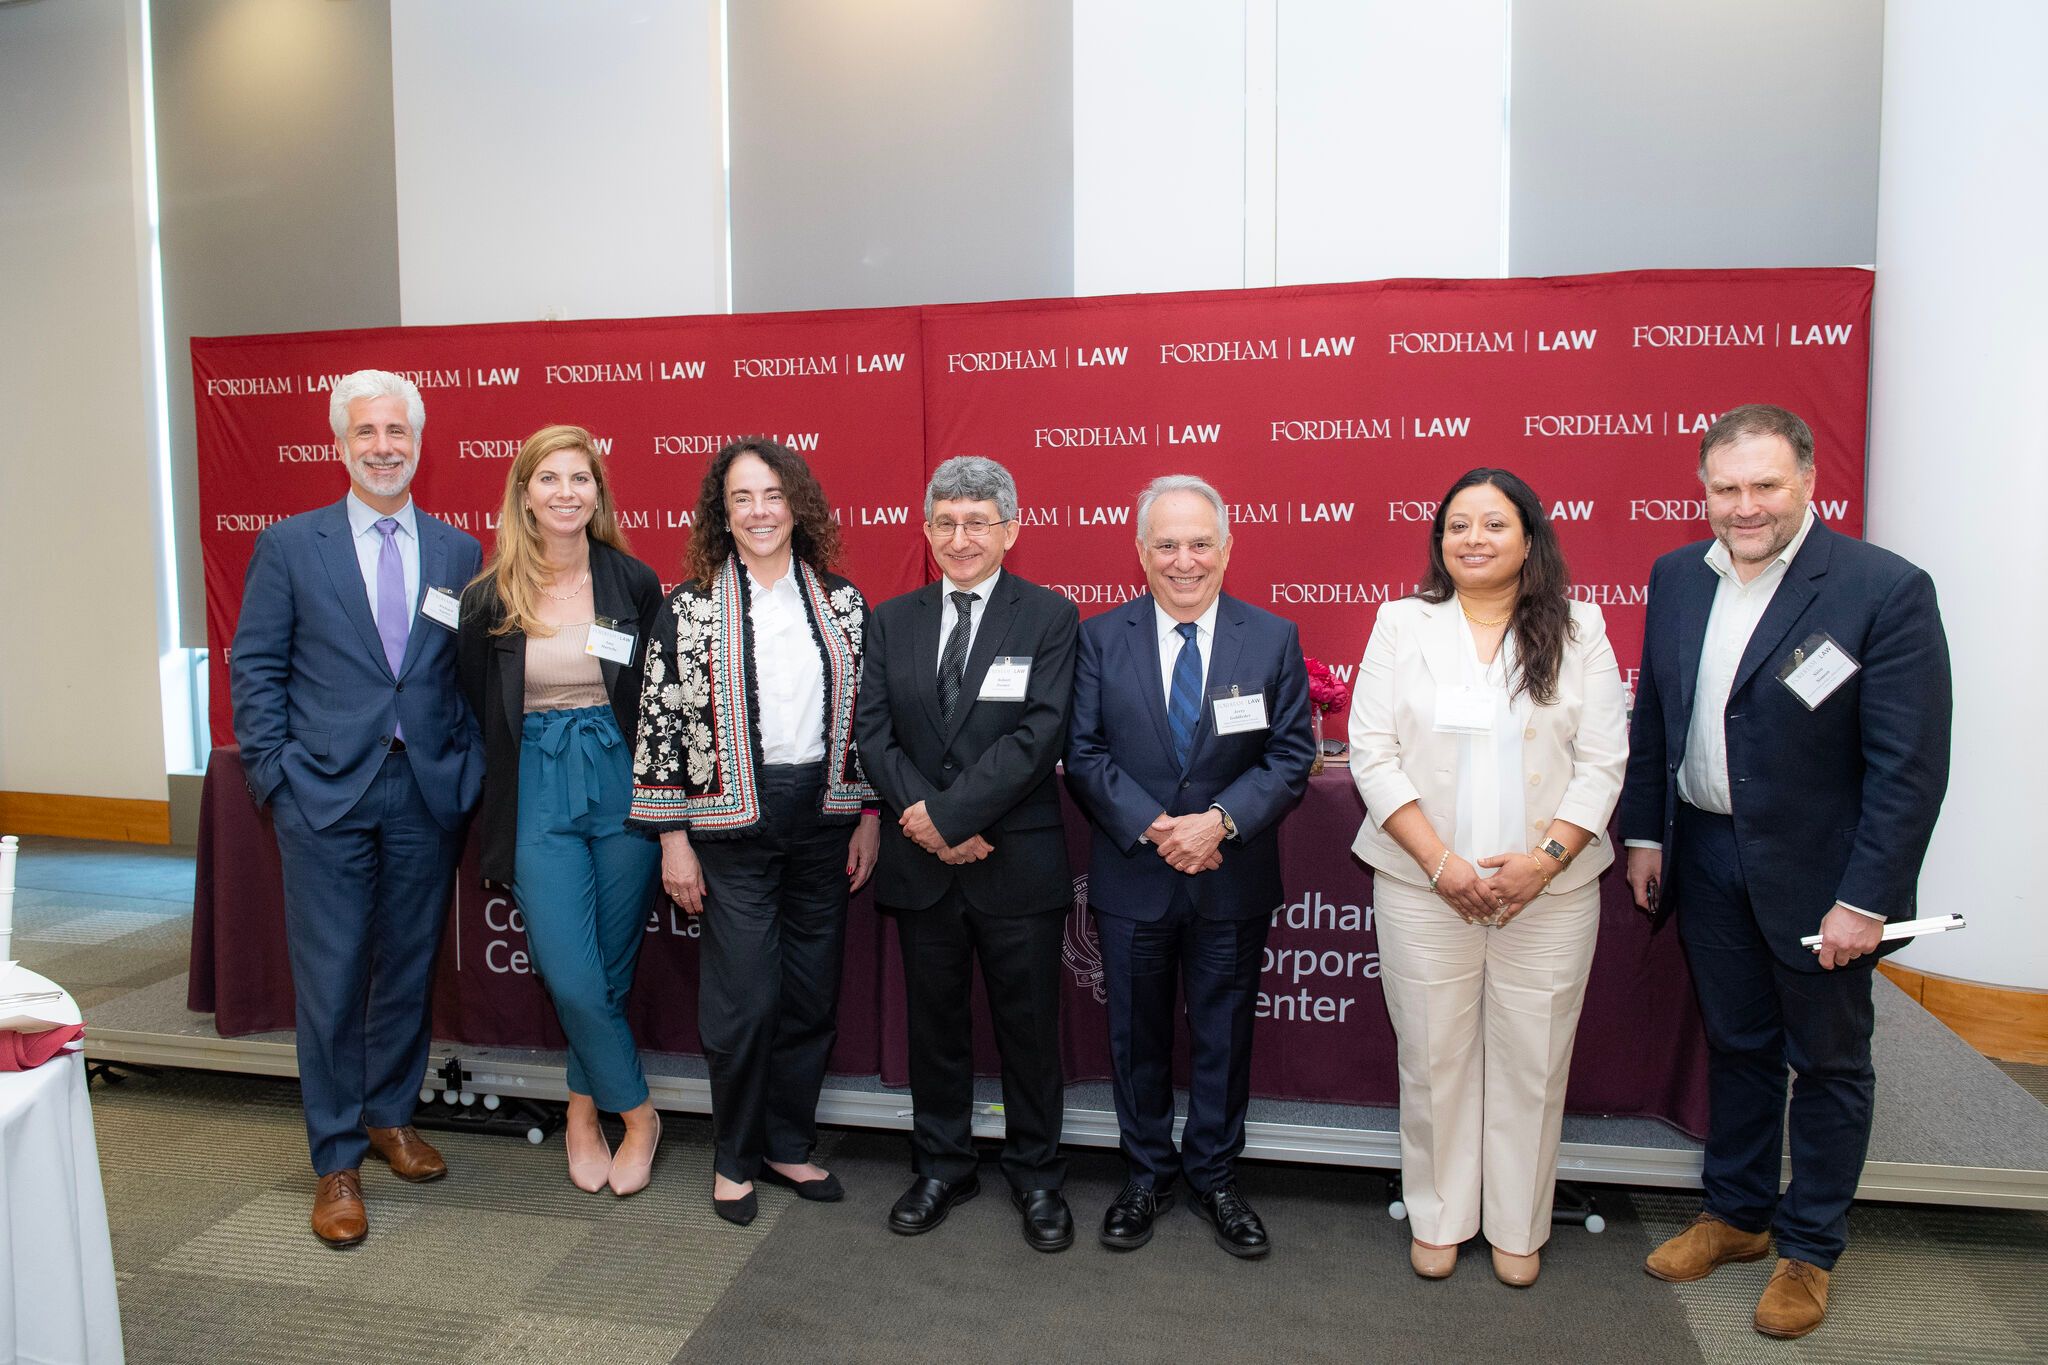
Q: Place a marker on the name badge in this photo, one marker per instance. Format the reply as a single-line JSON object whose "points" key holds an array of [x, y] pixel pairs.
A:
{"points": [[1816, 669], [607, 641], [1236, 714], [442, 607], [1007, 678], [1463, 710]]}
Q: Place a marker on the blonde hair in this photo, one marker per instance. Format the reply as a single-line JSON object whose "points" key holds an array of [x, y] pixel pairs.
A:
{"points": [[517, 564]]}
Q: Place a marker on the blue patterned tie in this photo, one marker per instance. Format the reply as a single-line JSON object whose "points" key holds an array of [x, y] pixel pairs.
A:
{"points": [[394, 618], [1184, 700]]}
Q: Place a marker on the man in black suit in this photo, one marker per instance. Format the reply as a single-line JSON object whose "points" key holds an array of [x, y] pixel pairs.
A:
{"points": [[1191, 739], [1789, 757], [963, 708]]}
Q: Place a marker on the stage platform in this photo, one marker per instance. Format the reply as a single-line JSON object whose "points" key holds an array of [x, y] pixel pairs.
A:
{"points": [[1950, 1128]]}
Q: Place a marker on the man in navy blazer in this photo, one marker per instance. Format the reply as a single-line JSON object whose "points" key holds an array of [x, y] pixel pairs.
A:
{"points": [[353, 733], [1788, 760], [1190, 740]]}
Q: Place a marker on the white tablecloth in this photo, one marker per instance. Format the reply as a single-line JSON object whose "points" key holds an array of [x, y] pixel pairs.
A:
{"points": [[57, 1303]]}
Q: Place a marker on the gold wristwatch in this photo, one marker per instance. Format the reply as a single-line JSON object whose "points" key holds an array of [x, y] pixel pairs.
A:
{"points": [[1558, 851]]}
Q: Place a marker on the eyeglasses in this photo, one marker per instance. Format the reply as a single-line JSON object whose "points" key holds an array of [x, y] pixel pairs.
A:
{"points": [[976, 529]]}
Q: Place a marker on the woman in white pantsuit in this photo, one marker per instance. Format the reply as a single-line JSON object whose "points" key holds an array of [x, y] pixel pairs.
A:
{"points": [[1488, 740]]}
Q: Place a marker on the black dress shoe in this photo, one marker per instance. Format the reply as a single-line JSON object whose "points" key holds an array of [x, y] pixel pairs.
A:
{"points": [[927, 1202], [826, 1189], [1238, 1229], [740, 1210], [1048, 1226], [1127, 1224]]}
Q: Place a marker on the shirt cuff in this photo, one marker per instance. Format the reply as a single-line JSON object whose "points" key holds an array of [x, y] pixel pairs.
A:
{"points": [[1644, 843], [1229, 824], [1867, 914]]}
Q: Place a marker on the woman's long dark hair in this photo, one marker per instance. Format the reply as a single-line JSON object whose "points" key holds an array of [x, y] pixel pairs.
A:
{"points": [[815, 538], [1542, 618]]}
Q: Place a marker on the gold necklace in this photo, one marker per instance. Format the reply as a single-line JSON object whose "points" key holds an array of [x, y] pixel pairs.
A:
{"points": [[1477, 622], [573, 592]]}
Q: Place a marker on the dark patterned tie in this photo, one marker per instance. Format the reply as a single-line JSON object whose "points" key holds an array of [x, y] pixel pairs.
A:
{"points": [[1184, 700], [953, 658]]}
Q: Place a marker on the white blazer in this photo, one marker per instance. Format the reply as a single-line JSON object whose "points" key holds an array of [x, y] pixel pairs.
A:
{"points": [[1574, 753]]}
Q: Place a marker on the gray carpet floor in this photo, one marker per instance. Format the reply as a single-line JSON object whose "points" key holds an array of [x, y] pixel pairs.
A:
{"points": [[208, 1191]]}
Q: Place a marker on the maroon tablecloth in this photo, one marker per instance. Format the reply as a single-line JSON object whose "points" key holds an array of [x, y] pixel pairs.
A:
{"points": [[1323, 1032]]}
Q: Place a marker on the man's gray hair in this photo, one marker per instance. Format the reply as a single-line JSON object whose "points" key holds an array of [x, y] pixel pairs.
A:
{"points": [[972, 478], [1182, 483], [374, 384]]}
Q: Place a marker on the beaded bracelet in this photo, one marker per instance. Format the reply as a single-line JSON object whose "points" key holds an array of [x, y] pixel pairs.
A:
{"points": [[1439, 869]]}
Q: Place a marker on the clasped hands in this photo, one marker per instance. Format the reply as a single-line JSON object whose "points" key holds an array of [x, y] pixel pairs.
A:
{"points": [[1519, 879], [1189, 843], [916, 824]]}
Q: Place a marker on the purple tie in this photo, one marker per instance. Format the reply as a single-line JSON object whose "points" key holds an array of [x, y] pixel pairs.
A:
{"points": [[393, 617]]}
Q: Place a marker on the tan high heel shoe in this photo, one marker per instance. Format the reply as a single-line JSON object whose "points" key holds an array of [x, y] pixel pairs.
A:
{"points": [[1432, 1263], [588, 1167], [630, 1172], [1519, 1271]]}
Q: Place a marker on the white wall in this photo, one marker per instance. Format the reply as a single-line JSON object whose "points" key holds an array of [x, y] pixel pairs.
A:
{"points": [[1238, 143], [558, 160], [1957, 442], [79, 700]]}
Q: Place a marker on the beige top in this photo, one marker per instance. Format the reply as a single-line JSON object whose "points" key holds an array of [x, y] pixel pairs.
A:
{"points": [[559, 675]]}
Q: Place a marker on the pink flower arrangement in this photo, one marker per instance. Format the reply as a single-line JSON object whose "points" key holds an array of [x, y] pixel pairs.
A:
{"points": [[1326, 691]]}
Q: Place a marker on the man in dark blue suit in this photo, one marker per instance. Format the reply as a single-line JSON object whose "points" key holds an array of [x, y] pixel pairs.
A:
{"points": [[1789, 756], [354, 735], [1190, 740]]}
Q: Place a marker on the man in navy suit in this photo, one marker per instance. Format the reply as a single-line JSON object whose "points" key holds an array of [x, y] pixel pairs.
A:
{"points": [[1190, 740], [1789, 756], [353, 733]]}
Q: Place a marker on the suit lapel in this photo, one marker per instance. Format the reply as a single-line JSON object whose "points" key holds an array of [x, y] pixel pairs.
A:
{"points": [[997, 616], [1695, 605], [1439, 642], [511, 651], [433, 573], [1222, 670], [924, 649], [345, 571], [1788, 604], [1144, 647], [609, 598]]}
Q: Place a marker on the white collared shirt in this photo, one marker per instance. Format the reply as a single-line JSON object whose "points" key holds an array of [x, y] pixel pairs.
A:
{"points": [[789, 672], [949, 614], [369, 544], [1170, 646], [1738, 607]]}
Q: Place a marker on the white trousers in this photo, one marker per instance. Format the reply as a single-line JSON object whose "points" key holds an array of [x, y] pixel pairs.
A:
{"points": [[1485, 1020]]}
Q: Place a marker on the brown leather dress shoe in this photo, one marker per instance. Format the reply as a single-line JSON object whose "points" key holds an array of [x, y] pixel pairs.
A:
{"points": [[411, 1156], [1703, 1245], [339, 1218], [1794, 1302]]}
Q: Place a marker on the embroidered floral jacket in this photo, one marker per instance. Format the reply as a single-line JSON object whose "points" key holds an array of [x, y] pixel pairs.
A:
{"points": [[697, 761]]}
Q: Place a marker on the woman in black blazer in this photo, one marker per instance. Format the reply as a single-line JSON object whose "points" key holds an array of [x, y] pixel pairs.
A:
{"points": [[552, 636]]}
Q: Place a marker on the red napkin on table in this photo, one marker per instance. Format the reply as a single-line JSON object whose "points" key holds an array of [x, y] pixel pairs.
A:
{"points": [[21, 1051]]}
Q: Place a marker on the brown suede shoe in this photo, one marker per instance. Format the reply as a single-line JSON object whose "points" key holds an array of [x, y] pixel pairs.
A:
{"points": [[339, 1218], [411, 1156], [1794, 1302], [1705, 1244]]}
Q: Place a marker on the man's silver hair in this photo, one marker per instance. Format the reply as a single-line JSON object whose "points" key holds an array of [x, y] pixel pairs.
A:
{"points": [[374, 384], [1182, 483], [972, 478]]}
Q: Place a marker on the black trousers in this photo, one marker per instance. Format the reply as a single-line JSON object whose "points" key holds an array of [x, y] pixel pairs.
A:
{"points": [[1020, 966], [768, 974], [1762, 1018]]}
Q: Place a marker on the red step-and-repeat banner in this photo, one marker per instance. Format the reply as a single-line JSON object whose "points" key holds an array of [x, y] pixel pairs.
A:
{"points": [[1331, 418]]}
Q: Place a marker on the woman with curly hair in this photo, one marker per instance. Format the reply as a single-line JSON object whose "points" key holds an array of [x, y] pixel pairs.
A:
{"points": [[1488, 741], [746, 767]]}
